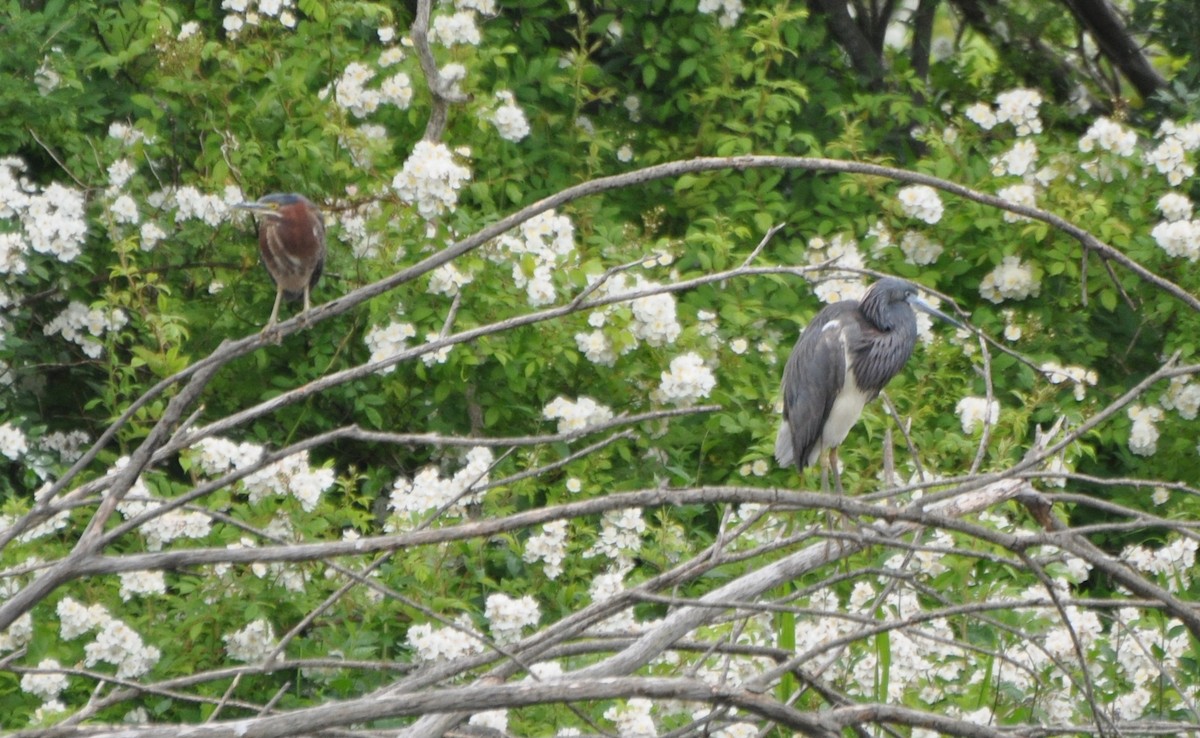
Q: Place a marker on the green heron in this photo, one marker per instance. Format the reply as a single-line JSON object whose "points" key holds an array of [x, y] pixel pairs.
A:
{"points": [[291, 240], [844, 357]]}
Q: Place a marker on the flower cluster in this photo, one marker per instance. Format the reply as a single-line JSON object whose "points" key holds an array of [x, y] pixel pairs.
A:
{"points": [[549, 546], [457, 28], [632, 720], [447, 643], [1079, 376], [56, 222], [115, 643], [1175, 561], [192, 204], [429, 491], [12, 441], [596, 347], [53, 221], [1011, 280], [620, 535], [1018, 161], [430, 179], [540, 244], [1108, 135], [85, 326], [387, 341], [290, 475], [1143, 435], [607, 586], [1183, 397], [509, 119], [687, 381], [163, 527], [574, 416], [1020, 107], [839, 252], [243, 13], [974, 411], [921, 202], [1018, 194], [1180, 238], [727, 11], [447, 280], [654, 318], [251, 644], [507, 616], [351, 92], [1175, 206], [68, 446], [1170, 156], [19, 633], [47, 686], [135, 583], [919, 249]]}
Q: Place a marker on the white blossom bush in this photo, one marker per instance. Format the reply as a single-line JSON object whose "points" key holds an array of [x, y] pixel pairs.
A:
{"points": [[523, 442]]}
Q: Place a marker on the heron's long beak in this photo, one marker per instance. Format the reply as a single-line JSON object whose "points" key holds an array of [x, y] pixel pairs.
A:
{"points": [[257, 208], [923, 306]]}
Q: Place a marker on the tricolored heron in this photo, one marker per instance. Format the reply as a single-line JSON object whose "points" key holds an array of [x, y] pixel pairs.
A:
{"points": [[843, 358], [291, 240]]}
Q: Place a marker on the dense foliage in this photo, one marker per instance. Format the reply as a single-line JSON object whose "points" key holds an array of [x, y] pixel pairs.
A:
{"points": [[515, 467]]}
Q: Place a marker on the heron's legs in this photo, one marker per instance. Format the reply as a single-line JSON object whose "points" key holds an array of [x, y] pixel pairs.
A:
{"points": [[269, 328], [824, 474], [307, 305], [837, 475]]}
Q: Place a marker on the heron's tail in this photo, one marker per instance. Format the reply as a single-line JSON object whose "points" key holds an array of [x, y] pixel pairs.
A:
{"points": [[785, 456]]}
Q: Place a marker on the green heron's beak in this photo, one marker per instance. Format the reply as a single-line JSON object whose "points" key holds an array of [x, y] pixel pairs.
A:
{"points": [[257, 208], [923, 306]]}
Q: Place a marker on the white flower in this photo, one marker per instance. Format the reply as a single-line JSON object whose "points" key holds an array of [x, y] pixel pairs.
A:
{"points": [[972, 411], [387, 341], [982, 115], [12, 441], [625, 154], [251, 644], [1183, 397], [921, 202], [1143, 435], [430, 179], [141, 583], [1017, 161], [1019, 194], [1020, 107], [1178, 238], [727, 12], [687, 380], [739, 346], [509, 119], [1175, 206], [446, 643], [46, 686], [397, 90], [508, 616], [451, 30], [1011, 280], [1110, 136], [549, 546], [596, 347], [447, 279], [918, 249], [573, 416], [633, 719], [350, 91], [119, 645]]}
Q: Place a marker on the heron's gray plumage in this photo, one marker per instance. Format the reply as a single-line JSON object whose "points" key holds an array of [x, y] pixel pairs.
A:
{"points": [[842, 360]]}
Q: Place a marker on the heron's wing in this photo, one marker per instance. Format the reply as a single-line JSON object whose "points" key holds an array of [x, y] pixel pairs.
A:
{"points": [[812, 378]]}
